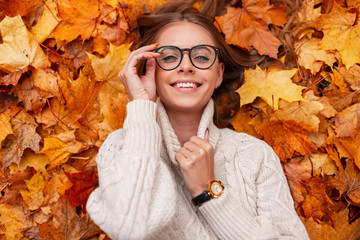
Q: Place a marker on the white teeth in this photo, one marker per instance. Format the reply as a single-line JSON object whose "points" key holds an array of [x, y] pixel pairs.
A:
{"points": [[185, 85]]}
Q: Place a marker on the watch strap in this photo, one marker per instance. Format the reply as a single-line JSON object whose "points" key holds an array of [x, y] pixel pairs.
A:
{"points": [[203, 197]]}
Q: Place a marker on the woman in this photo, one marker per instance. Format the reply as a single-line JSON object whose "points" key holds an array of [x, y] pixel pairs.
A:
{"points": [[170, 173]]}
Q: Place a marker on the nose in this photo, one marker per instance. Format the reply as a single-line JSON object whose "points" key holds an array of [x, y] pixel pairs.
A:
{"points": [[186, 65]]}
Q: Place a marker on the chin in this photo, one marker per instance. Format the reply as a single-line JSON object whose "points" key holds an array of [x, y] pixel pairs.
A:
{"points": [[187, 104]]}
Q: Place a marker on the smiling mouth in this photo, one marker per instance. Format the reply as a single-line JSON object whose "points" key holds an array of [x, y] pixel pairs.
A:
{"points": [[186, 85]]}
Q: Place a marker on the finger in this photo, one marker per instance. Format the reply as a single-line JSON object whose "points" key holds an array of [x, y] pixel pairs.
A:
{"points": [[201, 143], [186, 153], [207, 135], [180, 158], [191, 146]]}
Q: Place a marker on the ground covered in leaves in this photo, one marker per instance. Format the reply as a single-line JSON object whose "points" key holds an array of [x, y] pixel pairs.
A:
{"points": [[60, 98]]}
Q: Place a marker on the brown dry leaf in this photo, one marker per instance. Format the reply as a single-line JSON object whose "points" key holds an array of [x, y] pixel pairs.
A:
{"points": [[319, 164], [347, 122], [309, 54], [33, 196], [342, 228], [348, 182], [270, 85], [318, 205], [241, 123], [66, 222], [351, 76], [341, 33], [286, 137], [12, 78], [29, 10], [31, 97], [248, 26], [69, 138], [25, 136], [47, 22], [19, 49], [302, 112]]}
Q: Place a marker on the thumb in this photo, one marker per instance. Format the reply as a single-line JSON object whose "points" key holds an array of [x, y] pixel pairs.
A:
{"points": [[207, 135]]}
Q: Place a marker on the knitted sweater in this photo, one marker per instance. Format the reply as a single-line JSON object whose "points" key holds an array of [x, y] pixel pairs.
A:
{"points": [[141, 193]]}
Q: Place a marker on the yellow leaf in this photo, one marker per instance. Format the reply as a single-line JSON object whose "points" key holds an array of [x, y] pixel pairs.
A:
{"points": [[19, 49], [56, 151], [302, 112], [308, 12], [270, 86], [12, 219], [30, 159], [5, 126], [341, 34], [347, 122], [33, 196], [47, 22], [107, 68], [309, 53]]}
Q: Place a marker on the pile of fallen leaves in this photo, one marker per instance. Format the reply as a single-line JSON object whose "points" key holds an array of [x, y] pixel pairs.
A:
{"points": [[60, 98]]}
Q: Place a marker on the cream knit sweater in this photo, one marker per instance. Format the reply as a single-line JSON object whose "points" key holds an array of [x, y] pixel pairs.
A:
{"points": [[141, 194]]}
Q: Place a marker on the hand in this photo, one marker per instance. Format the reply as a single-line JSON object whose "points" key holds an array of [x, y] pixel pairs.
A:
{"points": [[196, 160], [142, 87]]}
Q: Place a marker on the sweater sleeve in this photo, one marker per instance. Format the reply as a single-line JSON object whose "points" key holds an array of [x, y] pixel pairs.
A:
{"points": [[276, 217], [136, 194]]}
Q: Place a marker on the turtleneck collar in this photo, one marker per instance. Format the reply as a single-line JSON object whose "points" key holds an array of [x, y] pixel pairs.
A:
{"points": [[170, 139]]}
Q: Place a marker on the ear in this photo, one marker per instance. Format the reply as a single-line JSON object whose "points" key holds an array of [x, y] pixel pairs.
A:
{"points": [[220, 73]]}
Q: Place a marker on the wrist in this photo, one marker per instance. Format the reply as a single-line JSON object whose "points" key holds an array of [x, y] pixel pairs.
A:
{"points": [[214, 190]]}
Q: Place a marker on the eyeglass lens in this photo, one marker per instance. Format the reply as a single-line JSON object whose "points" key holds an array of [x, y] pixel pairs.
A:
{"points": [[201, 57]]}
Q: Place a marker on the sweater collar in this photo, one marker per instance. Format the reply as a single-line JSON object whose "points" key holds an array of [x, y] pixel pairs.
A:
{"points": [[170, 139]]}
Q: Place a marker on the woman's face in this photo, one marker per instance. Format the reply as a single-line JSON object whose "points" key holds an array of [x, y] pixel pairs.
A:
{"points": [[171, 85]]}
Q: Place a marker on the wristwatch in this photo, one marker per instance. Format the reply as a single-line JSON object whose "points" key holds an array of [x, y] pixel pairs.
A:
{"points": [[215, 189]]}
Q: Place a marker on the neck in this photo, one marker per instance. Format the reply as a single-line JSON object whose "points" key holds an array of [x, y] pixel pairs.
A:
{"points": [[185, 124]]}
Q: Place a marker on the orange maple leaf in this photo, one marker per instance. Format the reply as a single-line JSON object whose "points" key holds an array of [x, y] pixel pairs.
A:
{"points": [[248, 26], [286, 137]]}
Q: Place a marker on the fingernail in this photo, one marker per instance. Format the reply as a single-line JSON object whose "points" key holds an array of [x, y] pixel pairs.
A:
{"points": [[154, 44], [152, 54]]}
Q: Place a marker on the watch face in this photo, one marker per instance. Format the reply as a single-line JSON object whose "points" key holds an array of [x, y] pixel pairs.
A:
{"points": [[216, 188]]}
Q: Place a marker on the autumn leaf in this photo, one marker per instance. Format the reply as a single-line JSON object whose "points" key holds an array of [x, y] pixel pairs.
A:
{"points": [[12, 218], [30, 159], [286, 137], [78, 19], [319, 164], [301, 112], [5, 126], [47, 22], [56, 151], [270, 86], [19, 49], [341, 33], [83, 184], [248, 26], [33, 196], [25, 136], [347, 122], [318, 205], [352, 146], [348, 182], [311, 55]]}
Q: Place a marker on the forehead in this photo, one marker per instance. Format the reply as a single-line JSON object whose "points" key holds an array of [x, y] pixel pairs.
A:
{"points": [[184, 34]]}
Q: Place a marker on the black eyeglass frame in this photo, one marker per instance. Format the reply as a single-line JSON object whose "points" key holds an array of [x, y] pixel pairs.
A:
{"points": [[189, 51]]}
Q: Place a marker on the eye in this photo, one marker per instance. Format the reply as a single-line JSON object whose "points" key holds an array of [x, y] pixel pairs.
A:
{"points": [[169, 58], [201, 58]]}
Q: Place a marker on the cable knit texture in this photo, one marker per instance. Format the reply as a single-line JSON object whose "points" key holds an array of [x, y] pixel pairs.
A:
{"points": [[141, 193]]}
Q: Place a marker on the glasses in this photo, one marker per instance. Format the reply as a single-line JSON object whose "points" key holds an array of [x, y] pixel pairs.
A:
{"points": [[201, 56]]}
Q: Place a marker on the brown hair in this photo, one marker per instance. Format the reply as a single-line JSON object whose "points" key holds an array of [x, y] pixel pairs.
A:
{"points": [[227, 101]]}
